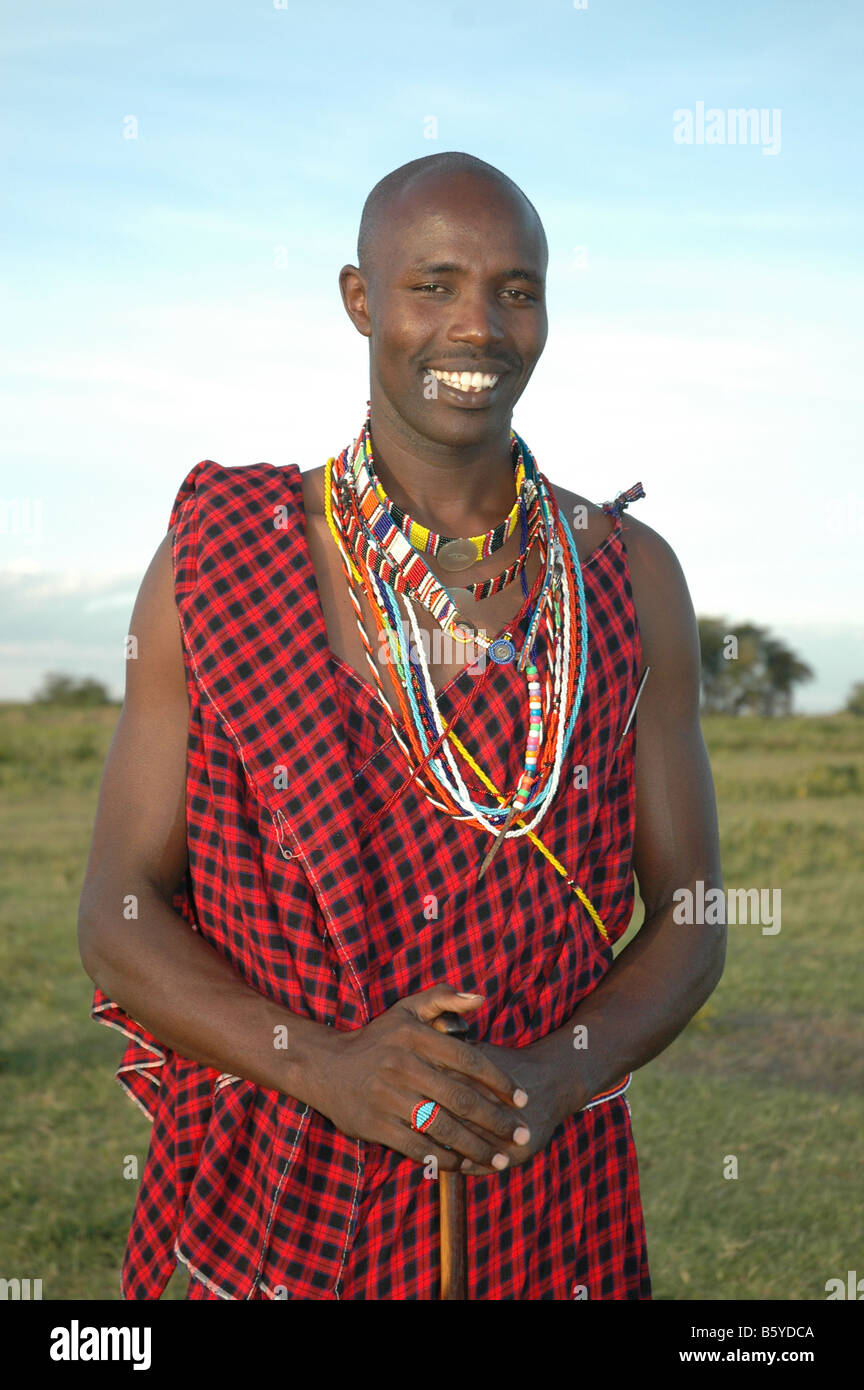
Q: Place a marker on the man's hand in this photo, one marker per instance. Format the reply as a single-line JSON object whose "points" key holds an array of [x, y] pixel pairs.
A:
{"points": [[368, 1081], [537, 1070]]}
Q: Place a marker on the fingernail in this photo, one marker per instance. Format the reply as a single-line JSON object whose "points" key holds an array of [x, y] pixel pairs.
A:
{"points": [[500, 1161], [521, 1135], [469, 996], [520, 1098]]}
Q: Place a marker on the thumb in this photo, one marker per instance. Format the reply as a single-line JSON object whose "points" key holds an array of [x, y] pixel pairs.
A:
{"points": [[441, 999]]}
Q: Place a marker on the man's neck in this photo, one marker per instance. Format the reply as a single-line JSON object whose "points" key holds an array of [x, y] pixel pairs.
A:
{"points": [[454, 490]]}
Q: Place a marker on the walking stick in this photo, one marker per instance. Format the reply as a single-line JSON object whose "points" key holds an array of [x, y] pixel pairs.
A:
{"points": [[451, 1191]]}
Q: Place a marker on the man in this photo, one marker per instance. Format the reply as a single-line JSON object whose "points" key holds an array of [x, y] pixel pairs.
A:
{"points": [[349, 874]]}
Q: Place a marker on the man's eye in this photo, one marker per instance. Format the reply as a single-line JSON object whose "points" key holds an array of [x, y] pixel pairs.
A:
{"points": [[434, 285]]}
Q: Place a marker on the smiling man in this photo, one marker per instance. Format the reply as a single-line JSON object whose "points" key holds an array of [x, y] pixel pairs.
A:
{"points": [[378, 762]]}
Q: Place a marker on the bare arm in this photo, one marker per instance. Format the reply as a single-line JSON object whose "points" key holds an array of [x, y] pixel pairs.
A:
{"points": [[658, 982], [167, 977], [667, 972]]}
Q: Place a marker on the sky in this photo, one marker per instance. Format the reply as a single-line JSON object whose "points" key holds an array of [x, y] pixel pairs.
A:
{"points": [[181, 184]]}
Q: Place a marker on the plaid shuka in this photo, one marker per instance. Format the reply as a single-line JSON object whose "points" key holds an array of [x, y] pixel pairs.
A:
{"points": [[258, 1195]]}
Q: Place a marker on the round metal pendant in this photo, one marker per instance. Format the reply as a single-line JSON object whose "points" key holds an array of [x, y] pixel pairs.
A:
{"points": [[457, 555], [502, 650], [461, 597]]}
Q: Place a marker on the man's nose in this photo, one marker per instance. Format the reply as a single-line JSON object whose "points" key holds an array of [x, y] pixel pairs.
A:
{"points": [[477, 320]]}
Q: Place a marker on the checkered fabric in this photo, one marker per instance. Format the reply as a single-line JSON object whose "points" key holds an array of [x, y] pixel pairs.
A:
{"points": [[257, 1194]]}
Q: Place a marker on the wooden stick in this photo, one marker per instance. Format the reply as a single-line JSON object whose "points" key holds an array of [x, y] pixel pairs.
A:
{"points": [[497, 843], [451, 1192]]}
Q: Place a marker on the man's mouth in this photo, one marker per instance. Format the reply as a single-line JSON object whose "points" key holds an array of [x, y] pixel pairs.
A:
{"points": [[469, 382]]}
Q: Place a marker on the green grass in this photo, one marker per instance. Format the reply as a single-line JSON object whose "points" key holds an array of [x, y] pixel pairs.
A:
{"points": [[769, 1071]]}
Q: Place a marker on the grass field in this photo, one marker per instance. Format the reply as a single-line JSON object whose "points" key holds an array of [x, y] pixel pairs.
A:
{"points": [[770, 1070]]}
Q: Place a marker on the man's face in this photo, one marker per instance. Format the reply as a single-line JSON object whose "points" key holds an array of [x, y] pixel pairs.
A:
{"points": [[457, 286]]}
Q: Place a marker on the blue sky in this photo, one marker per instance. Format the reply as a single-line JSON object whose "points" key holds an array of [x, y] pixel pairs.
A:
{"points": [[173, 296]]}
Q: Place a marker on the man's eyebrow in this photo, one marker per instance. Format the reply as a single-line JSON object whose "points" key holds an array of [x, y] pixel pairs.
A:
{"points": [[450, 268]]}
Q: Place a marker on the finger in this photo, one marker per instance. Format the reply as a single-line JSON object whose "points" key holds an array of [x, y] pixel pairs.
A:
{"points": [[440, 999], [421, 1146], [472, 1170], [470, 1062], [448, 1131], [516, 1146], [497, 1124]]}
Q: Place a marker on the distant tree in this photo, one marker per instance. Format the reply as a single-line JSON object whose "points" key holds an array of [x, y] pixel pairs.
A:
{"points": [[58, 689], [712, 636], [855, 702], [747, 671], [783, 671]]}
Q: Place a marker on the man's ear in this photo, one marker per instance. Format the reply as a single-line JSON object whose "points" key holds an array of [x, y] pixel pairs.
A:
{"points": [[352, 287]]}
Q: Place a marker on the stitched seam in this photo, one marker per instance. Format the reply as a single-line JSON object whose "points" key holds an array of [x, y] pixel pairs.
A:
{"points": [[323, 904], [278, 821], [110, 1023], [372, 757], [266, 1243], [202, 1278], [331, 921], [603, 546], [132, 1096], [350, 1221], [298, 855]]}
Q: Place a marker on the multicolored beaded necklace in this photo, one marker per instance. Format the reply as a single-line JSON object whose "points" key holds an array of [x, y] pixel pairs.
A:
{"points": [[450, 552], [380, 560], [382, 543]]}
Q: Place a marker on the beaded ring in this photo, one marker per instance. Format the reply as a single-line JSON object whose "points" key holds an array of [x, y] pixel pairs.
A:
{"points": [[423, 1114]]}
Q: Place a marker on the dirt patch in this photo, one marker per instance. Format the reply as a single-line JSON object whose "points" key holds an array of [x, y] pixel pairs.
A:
{"points": [[825, 1055]]}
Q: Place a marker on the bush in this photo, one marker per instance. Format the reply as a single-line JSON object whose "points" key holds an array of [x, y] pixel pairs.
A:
{"points": [[58, 689]]}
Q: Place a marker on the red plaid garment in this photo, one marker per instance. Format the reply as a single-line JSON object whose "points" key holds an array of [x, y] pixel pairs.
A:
{"points": [[257, 1194]]}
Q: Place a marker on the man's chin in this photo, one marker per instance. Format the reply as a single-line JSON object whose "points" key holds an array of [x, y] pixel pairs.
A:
{"points": [[445, 423]]}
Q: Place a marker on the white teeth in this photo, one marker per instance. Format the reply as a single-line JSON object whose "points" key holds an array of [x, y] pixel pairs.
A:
{"points": [[467, 381]]}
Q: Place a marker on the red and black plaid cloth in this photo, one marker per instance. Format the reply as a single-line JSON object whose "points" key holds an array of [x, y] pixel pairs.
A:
{"points": [[258, 1195]]}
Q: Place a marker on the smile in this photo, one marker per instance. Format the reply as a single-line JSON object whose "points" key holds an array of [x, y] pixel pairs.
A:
{"points": [[471, 382]]}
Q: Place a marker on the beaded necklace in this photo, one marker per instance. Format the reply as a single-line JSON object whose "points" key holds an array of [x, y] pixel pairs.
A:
{"points": [[379, 560], [373, 535], [451, 552]]}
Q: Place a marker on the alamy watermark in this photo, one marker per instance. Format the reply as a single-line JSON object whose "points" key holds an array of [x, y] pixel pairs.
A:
{"points": [[737, 906], [77, 1343], [439, 648], [735, 126]]}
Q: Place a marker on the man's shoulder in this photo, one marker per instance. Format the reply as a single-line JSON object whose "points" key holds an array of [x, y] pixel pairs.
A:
{"points": [[312, 484], [588, 522], [660, 592], [645, 546]]}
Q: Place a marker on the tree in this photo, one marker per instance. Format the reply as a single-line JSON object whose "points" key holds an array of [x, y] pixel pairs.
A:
{"points": [[58, 689], [747, 671], [855, 701]]}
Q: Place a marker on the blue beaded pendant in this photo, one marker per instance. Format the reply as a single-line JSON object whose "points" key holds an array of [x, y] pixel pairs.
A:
{"points": [[502, 650]]}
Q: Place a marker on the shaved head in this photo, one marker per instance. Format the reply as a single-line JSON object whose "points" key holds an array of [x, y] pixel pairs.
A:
{"points": [[386, 197], [451, 279]]}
